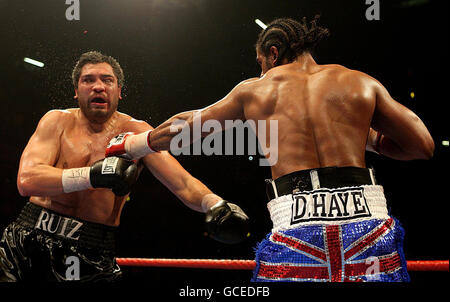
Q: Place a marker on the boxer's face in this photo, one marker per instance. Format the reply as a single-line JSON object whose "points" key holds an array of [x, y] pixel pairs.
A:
{"points": [[98, 92]]}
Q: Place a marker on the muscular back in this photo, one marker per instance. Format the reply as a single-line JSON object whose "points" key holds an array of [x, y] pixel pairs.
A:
{"points": [[324, 114], [327, 115]]}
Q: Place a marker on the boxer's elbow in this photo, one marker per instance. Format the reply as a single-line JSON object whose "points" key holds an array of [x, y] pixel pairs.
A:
{"points": [[422, 150], [24, 184], [28, 182], [425, 143], [427, 148]]}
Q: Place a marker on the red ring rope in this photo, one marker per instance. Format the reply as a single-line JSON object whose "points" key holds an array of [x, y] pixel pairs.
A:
{"points": [[417, 265]]}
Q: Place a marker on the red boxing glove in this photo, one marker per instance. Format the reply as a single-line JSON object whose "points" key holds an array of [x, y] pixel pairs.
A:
{"points": [[129, 145], [116, 146]]}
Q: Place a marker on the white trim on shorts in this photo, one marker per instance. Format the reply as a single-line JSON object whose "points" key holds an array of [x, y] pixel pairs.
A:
{"points": [[328, 206]]}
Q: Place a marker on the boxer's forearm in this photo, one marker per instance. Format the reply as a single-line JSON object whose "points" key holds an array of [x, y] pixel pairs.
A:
{"points": [[40, 180], [197, 196], [390, 148], [371, 141], [386, 146]]}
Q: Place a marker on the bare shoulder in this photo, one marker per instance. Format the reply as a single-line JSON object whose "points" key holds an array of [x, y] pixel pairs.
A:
{"points": [[351, 75], [57, 118], [53, 123], [247, 84], [130, 124], [249, 81], [251, 84], [60, 113], [340, 70], [245, 89]]}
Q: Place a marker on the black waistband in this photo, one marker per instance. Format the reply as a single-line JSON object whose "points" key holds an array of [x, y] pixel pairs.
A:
{"points": [[328, 177], [78, 231]]}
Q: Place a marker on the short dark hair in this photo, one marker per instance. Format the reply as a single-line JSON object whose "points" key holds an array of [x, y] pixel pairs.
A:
{"points": [[96, 57], [291, 37]]}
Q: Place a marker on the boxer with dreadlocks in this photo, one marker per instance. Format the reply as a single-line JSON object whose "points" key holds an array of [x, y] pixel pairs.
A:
{"points": [[330, 219]]}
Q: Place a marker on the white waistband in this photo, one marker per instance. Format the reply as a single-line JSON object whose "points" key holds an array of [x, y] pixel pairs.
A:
{"points": [[328, 206]]}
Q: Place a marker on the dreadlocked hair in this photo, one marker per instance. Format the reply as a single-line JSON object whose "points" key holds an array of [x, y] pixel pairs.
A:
{"points": [[290, 37]]}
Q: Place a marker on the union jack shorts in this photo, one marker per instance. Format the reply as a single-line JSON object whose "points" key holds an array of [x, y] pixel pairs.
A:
{"points": [[370, 250], [336, 235]]}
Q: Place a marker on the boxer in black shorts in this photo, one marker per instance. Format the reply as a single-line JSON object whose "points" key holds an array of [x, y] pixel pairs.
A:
{"points": [[43, 245], [77, 195]]}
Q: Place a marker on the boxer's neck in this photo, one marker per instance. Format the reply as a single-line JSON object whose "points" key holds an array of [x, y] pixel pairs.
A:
{"points": [[96, 125], [305, 61]]}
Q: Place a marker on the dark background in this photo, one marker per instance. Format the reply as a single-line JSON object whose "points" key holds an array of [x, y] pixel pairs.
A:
{"points": [[179, 55]]}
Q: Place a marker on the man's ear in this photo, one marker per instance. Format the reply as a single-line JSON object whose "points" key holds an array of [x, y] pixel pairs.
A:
{"points": [[274, 55], [76, 94], [120, 92]]}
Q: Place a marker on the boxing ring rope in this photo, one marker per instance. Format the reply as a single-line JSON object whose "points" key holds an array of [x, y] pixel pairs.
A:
{"points": [[412, 265]]}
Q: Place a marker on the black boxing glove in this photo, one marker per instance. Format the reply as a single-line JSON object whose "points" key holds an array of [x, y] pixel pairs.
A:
{"points": [[227, 223], [115, 173]]}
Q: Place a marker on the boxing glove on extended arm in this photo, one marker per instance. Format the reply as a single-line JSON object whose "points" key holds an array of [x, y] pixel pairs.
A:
{"points": [[227, 223]]}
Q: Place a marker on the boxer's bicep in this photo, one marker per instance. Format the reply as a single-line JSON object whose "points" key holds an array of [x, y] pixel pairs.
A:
{"points": [[39, 156], [401, 125], [231, 107], [43, 146]]}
